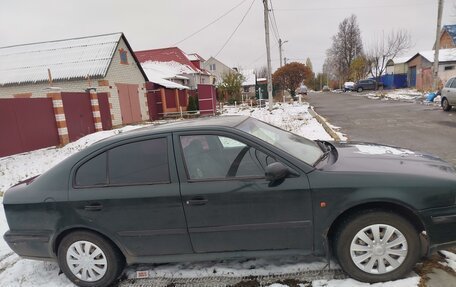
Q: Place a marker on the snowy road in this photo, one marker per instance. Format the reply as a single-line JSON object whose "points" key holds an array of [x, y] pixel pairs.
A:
{"points": [[412, 125]]}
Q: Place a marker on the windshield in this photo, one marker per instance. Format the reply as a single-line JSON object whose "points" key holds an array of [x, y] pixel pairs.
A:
{"points": [[299, 147]]}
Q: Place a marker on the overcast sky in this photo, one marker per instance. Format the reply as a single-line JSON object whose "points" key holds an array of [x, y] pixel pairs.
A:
{"points": [[308, 25]]}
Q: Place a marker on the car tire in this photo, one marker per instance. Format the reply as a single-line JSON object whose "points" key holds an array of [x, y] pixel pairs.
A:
{"points": [[360, 90], [371, 261], [81, 246], [446, 105]]}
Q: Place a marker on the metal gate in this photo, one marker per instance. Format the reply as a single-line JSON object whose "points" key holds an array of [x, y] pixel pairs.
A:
{"points": [[78, 114], [129, 103], [154, 102], [412, 76], [105, 111], [27, 124], [207, 99]]}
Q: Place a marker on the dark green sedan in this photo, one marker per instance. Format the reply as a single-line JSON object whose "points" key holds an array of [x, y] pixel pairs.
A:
{"points": [[229, 187]]}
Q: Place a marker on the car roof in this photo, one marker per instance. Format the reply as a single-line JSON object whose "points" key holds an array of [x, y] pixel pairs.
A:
{"points": [[182, 125]]}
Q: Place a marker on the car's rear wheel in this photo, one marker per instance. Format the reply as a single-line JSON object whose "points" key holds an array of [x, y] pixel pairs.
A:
{"points": [[89, 260], [360, 89], [446, 105], [377, 246]]}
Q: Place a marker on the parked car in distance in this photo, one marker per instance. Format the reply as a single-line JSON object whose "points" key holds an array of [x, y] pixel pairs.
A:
{"points": [[448, 94], [302, 90], [225, 187], [368, 84], [349, 86], [325, 89]]}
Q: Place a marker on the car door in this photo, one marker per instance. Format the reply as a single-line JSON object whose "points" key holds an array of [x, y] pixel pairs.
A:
{"points": [[130, 192], [229, 205]]}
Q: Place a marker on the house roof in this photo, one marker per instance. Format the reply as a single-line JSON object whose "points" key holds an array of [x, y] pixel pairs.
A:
{"points": [[249, 78], [445, 55], [451, 29], [399, 60], [74, 58], [171, 54], [160, 73]]}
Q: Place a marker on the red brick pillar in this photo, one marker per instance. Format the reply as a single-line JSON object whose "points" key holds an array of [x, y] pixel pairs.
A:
{"points": [[60, 119], [95, 110]]}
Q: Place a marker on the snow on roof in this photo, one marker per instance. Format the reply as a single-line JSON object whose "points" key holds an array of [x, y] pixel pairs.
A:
{"points": [[249, 77], [161, 72], [401, 60], [195, 57], [67, 59], [445, 55], [172, 54], [168, 70]]}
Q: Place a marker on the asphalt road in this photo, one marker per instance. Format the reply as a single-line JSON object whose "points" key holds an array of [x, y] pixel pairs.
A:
{"points": [[416, 126]]}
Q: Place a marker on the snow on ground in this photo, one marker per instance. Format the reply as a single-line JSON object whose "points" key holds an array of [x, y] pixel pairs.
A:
{"points": [[15, 271], [16, 168], [450, 259], [291, 117], [413, 280]]}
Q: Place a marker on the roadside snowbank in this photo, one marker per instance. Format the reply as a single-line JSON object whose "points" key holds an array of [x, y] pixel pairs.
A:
{"points": [[291, 117]]}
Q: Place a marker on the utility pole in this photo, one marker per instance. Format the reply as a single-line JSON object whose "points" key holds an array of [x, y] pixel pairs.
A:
{"points": [[268, 51], [435, 69], [280, 50]]}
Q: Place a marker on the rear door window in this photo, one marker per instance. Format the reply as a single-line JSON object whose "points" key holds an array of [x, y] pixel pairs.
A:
{"points": [[142, 162], [93, 172], [139, 163]]}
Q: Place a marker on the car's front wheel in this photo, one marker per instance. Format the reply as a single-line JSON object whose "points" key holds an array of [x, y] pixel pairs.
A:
{"points": [[446, 105], [377, 246], [89, 260], [360, 89]]}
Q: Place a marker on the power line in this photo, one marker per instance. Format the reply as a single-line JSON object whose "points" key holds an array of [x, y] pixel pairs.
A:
{"points": [[273, 29], [260, 57], [275, 21], [232, 34], [216, 20]]}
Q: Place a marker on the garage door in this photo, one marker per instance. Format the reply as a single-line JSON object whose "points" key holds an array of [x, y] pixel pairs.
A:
{"points": [[129, 103], [26, 124], [78, 115]]}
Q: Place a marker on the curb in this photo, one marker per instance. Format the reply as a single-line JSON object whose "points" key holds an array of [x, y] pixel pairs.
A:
{"points": [[324, 123]]}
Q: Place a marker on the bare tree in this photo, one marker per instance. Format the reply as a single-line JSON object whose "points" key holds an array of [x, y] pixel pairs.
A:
{"points": [[262, 72], [386, 48], [346, 46]]}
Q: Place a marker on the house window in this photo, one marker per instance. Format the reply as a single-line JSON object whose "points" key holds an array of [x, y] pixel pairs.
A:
{"points": [[212, 67], [448, 68], [123, 56]]}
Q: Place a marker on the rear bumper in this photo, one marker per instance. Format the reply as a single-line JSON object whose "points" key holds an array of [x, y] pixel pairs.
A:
{"points": [[440, 225], [30, 244]]}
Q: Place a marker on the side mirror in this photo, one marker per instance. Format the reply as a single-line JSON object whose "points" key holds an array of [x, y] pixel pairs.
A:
{"points": [[276, 171]]}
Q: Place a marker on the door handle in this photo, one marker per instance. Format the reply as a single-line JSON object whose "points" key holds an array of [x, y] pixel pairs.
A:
{"points": [[196, 201], [93, 207]]}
